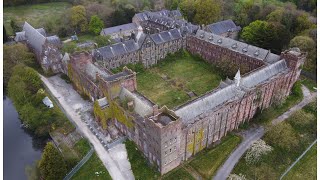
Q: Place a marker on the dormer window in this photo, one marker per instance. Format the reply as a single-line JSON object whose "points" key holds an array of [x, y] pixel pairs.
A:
{"points": [[229, 30], [245, 50], [202, 35], [234, 46], [256, 53], [211, 38], [220, 41]]}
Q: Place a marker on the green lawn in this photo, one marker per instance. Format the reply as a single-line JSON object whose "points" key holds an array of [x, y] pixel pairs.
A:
{"points": [[139, 164], [309, 83], [37, 15], [92, 169], [306, 168], [273, 165], [207, 162], [168, 82], [178, 173]]}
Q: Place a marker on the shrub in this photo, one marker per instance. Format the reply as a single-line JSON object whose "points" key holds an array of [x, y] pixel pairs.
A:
{"points": [[256, 151]]}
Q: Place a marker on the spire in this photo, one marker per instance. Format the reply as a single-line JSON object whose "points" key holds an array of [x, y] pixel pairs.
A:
{"points": [[237, 78]]}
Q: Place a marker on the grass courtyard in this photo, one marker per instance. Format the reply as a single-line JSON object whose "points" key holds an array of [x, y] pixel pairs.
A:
{"points": [[168, 82]]}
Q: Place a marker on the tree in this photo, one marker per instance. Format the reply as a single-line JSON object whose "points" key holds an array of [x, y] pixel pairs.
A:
{"points": [[282, 136], [95, 25], [187, 8], [207, 11], [103, 40], [13, 55], [78, 18], [52, 166], [304, 43], [256, 151], [122, 15], [14, 26], [266, 35]]}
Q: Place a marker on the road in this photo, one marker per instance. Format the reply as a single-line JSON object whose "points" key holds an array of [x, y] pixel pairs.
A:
{"points": [[72, 105], [252, 135]]}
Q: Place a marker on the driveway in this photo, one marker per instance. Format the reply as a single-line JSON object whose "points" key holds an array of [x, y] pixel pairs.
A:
{"points": [[78, 111]]}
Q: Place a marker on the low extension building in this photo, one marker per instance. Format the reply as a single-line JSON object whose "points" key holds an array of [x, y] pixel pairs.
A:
{"points": [[226, 28]]}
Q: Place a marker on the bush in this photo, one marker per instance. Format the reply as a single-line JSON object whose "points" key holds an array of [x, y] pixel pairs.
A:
{"points": [[282, 136], [301, 119]]}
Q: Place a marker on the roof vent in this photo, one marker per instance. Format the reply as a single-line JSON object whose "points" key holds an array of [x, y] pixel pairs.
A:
{"points": [[220, 41], [211, 38], [245, 50], [229, 30], [202, 35], [234, 46], [256, 53]]}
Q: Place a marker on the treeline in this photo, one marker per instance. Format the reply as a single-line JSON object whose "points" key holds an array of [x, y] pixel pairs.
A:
{"points": [[24, 2], [24, 86]]}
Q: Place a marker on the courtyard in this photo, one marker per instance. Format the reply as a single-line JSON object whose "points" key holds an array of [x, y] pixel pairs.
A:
{"points": [[176, 79]]}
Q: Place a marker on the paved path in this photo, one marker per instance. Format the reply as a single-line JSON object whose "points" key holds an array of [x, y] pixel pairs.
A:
{"points": [[79, 165], [307, 98], [72, 111], [252, 135]]}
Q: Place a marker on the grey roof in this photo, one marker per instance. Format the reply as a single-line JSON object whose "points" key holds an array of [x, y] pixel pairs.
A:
{"points": [[54, 40], [176, 13], [105, 52], [223, 27], [103, 102], [175, 33], [206, 103], [118, 49], [116, 76], [20, 36], [116, 29], [91, 70], [166, 36], [42, 31], [264, 74], [131, 46], [66, 57], [141, 16], [34, 37], [140, 107], [240, 47]]}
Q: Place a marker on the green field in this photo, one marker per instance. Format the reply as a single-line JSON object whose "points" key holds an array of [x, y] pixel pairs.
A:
{"points": [[207, 162], [139, 165], [37, 15], [168, 82], [274, 164], [92, 169], [179, 173], [306, 168]]}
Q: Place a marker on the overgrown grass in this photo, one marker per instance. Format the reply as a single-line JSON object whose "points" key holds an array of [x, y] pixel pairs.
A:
{"points": [[178, 173], [168, 82], [309, 83], [273, 165], [92, 169], [274, 111], [139, 165], [82, 147], [207, 162], [37, 14], [306, 168]]}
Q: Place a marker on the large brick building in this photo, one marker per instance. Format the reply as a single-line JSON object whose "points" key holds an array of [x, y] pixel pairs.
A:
{"points": [[167, 137]]}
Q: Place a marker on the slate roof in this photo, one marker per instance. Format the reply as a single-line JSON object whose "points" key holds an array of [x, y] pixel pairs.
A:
{"points": [[223, 27], [91, 70], [20, 36], [166, 36], [115, 29], [54, 40], [176, 13], [35, 38], [140, 107], [116, 76], [240, 47], [264, 74]]}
